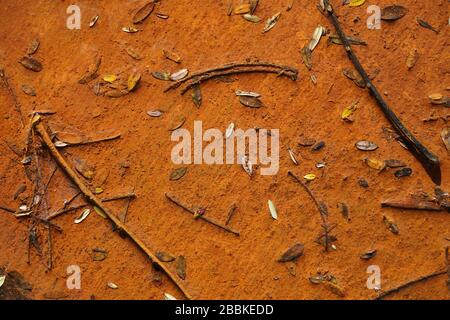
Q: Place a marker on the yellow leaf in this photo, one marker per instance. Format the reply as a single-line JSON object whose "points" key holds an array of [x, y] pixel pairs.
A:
{"points": [[110, 78], [349, 111], [375, 163], [133, 79], [309, 177], [98, 190], [100, 212], [356, 3]]}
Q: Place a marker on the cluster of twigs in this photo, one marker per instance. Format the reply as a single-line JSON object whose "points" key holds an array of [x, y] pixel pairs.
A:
{"points": [[234, 68]]}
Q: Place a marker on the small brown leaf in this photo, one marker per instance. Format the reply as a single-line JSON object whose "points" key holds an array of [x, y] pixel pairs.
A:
{"points": [[242, 8], [251, 102], [306, 56], [411, 61], [178, 124], [390, 225], [144, 12], [292, 253], [181, 267], [99, 254], [172, 56], [197, 96], [368, 254], [31, 63], [165, 257], [161, 75], [394, 12], [178, 173], [32, 48], [133, 54], [29, 90], [133, 80]]}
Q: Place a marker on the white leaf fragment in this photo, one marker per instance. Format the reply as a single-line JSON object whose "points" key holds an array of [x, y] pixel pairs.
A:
{"points": [[229, 131], [179, 75], [247, 94], [2, 280], [168, 296], [82, 216], [318, 32], [273, 210]]}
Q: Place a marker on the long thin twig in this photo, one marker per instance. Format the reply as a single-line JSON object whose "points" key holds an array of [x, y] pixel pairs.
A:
{"points": [[409, 283], [113, 137], [194, 212], [231, 212], [13, 95], [231, 66], [428, 160], [94, 200], [323, 211]]}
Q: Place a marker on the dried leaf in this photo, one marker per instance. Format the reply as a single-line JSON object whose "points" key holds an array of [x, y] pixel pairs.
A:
{"points": [[181, 267], [375, 163], [445, 136], [82, 216], [292, 253], [333, 38], [132, 53], [100, 212], [172, 56], [317, 35], [272, 210], [32, 48], [168, 296], [411, 61], [31, 63], [318, 146], [242, 8], [162, 16], [306, 57], [178, 173], [394, 12], [390, 225], [368, 254], [179, 75], [165, 257], [349, 111], [178, 124], [154, 113], [29, 90], [93, 21], [250, 102], [354, 75], [197, 95], [356, 3], [309, 177], [366, 145], [110, 78], [271, 22], [426, 25], [133, 80], [251, 18], [143, 12], [247, 94], [161, 75], [129, 29], [229, 131], [439, 99], [99, 254], [403, 172], [292, 155], [112, 285]]}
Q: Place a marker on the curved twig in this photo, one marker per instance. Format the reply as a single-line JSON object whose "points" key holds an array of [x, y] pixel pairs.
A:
{"points": [[231, 66], [208, 76]]}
